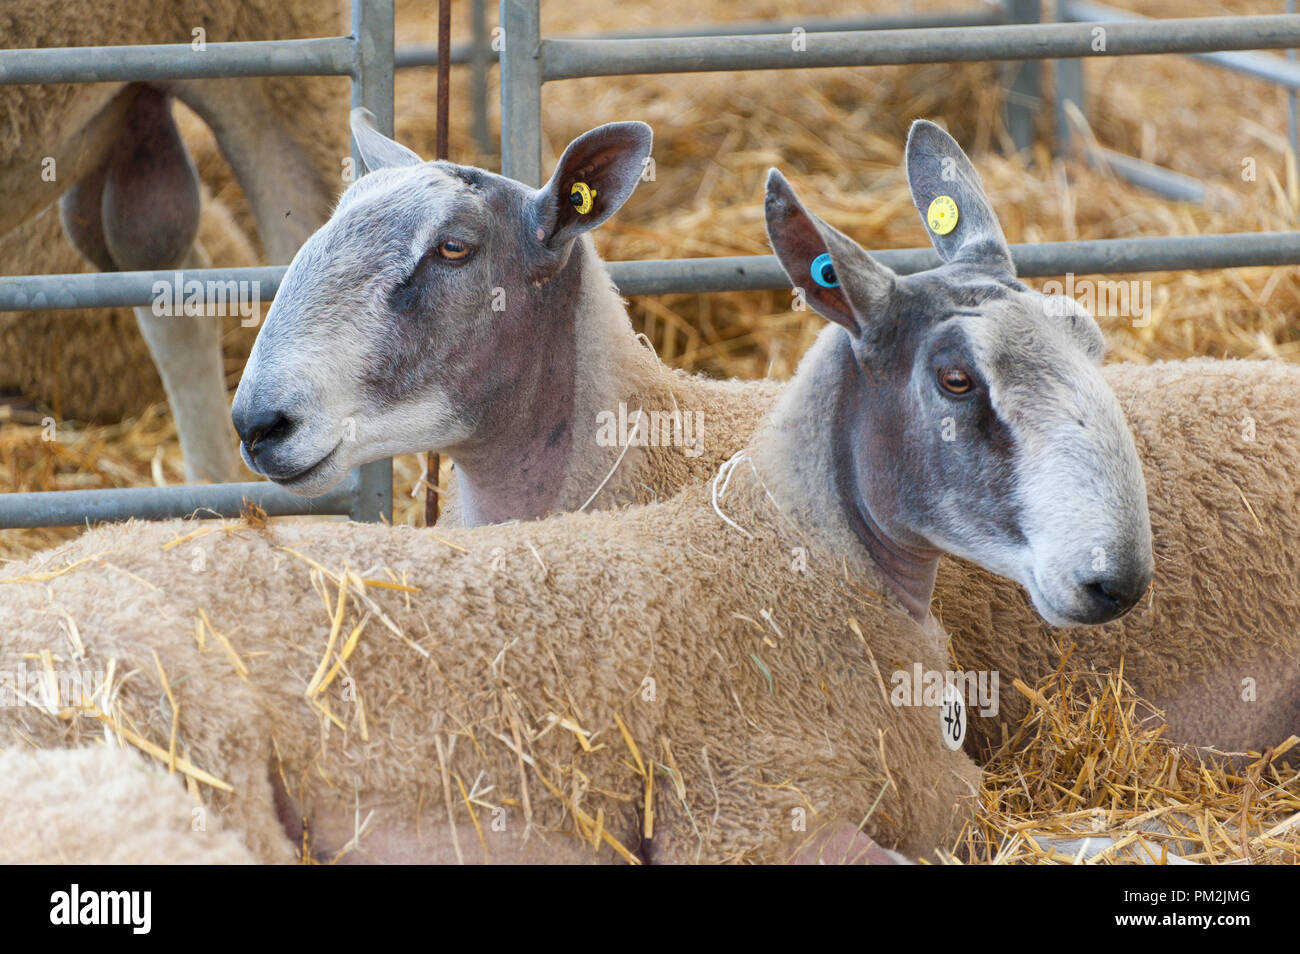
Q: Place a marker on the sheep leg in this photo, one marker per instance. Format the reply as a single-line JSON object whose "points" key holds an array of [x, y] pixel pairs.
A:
{"points": [[187, 352], [140, 211], [288, 195]]}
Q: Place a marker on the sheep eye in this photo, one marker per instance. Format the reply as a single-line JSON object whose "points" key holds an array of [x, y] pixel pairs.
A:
{"points": [[955, 380], [452, 250]]}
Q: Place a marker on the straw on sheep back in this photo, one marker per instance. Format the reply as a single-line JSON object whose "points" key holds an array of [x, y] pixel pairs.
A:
{"points": [[751, 692], [99, 806], [1215, 643]]}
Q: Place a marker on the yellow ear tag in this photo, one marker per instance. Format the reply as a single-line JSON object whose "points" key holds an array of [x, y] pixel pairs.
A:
{"points": [[581, 196], [942, 215]]}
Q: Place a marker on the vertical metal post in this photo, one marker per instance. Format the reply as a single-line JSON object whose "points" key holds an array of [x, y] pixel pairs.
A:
{"points": [[372, 87], [521, 91], [1293, 122], [480, 53], [1069, 88], [1024, 91]]}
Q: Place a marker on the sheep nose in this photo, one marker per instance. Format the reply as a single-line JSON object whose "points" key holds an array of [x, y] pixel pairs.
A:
{"points": [[1113, 596], [261, 426]]}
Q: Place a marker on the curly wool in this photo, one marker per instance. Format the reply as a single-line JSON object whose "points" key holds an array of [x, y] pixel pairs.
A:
{"points": [[752, 686]]}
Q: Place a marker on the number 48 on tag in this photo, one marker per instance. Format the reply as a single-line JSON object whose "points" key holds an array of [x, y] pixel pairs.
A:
{"points": [[952, 716]]}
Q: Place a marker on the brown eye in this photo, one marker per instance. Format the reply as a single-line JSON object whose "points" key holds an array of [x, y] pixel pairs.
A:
{"points": [[453, 250], [955, 380]]}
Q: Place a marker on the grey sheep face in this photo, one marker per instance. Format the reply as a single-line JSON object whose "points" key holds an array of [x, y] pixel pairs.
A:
{"points": [[407, 321], [975, 420]]}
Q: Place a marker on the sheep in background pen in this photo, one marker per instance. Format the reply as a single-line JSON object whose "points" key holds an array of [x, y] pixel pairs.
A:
{"points": [[129, 195]]}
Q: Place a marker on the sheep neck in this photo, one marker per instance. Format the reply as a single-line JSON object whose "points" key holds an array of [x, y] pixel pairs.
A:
{"points": [[545, 460], [826, 466], [862, 419]]}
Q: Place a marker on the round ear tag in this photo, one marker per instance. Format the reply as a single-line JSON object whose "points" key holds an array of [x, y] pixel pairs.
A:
{"points": [[823, 271], [581, 197], [942, 215]]}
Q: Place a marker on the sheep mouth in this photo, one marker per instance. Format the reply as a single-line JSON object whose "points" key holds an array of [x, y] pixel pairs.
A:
{"points": [[305, 476], [1046, 607]]}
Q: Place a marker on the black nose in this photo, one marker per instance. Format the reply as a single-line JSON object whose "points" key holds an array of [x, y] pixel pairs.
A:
{"points": [[1114, 596], [261, 427]]}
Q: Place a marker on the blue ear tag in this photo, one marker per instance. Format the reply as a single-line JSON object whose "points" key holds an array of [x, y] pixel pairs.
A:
{"points": [[823, 271]]}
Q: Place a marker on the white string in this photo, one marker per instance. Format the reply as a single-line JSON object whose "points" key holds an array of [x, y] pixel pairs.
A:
{"points": [[724, 474], [424, 472], [595, 493]]}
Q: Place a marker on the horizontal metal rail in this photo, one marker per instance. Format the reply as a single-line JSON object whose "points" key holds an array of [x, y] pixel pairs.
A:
{"points": [[734, 273], [66, 508], [122, 289], [1096, 257], [416, 55], [330, 56], [1274, 69], [1146, 175], [570, 59]]}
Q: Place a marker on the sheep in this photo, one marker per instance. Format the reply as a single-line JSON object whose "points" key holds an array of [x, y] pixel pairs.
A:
{"points": [[99, 806], [92, 364], [111, 155], [528, 437], [1208, 462], [696, 679]]}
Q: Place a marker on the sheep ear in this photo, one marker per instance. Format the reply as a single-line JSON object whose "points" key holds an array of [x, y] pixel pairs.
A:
{"points": [[937, 168], [595, 176], [377, 150], [857, 291]]}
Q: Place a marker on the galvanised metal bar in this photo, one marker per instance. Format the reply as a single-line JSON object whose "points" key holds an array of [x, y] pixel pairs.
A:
{"points": [[1098, 257], [331, 56], [66, 508], [1069, 89], [743, 272], [1293, 115], [415, 55], [571, 59], [372, 87], [521, 92], [126, 289], [1261, 65], [905, 21], [481, 56], [1024, 96], [1146, 175], [422, 55]]}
